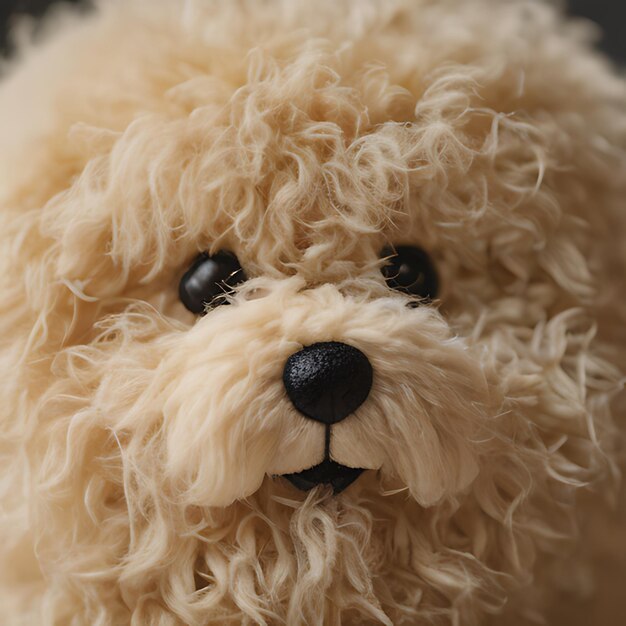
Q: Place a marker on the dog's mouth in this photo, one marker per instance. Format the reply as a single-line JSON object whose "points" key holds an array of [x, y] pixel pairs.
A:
{"points": [[327, 472]]}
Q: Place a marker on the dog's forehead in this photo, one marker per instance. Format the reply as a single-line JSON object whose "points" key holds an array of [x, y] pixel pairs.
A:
{"points": [[312, 148], [304, 166]]}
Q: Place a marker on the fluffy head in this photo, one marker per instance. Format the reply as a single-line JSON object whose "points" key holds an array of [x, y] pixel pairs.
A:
{"points": [[142, 447]]}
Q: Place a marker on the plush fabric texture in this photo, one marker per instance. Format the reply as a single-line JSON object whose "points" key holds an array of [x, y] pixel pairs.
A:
{"points": [[141, 447]]}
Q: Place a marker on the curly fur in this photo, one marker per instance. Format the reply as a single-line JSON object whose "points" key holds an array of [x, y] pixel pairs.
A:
{"points": [[141, 448]]}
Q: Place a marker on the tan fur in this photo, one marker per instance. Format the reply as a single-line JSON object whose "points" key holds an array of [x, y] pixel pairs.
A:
{"points": [[139, 446]]}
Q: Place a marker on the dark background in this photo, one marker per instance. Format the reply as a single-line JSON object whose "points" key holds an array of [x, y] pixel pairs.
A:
{"points": [[610, 14]]}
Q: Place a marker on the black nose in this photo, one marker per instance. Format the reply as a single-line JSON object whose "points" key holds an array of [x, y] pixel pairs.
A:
{"points": [[328, 381]]}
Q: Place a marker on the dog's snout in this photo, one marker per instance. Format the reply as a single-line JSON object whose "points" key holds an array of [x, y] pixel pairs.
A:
{"points": [[328, 381]]}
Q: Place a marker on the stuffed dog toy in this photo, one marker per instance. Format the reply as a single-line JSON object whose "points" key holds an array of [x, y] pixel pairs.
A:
{"points": [[311, 313]]}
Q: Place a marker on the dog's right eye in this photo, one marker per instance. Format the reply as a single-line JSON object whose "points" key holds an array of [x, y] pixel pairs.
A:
{"points": [[208, 280]]}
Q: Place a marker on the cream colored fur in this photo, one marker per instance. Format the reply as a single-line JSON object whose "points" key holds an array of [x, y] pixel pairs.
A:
{"points": [[139, 446]]}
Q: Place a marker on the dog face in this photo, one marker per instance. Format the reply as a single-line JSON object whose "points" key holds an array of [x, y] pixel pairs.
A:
{"points": [[288, 306]]}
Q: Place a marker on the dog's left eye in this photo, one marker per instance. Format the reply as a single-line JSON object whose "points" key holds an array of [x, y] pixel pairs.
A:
{"points": [[208, 279], [410, 270]]}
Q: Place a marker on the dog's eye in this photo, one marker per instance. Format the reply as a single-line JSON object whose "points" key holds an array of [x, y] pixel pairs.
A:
{"points": [[410, 270], [208, 279]]}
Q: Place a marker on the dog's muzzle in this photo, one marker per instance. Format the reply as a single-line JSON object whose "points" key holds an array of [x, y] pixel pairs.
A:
{"points": [[327, 382]]}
